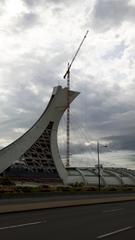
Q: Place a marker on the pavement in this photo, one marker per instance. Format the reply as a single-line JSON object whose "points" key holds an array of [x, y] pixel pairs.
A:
{"points": [[112, 221], [14, 206]]}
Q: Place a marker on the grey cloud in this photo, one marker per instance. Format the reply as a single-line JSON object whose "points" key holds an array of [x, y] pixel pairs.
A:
{"points": [[132, 158], [75, 149], [2, 4], [100, 101], [122, 142], [59, 1], [22, 99], [27, 20], [114, 145], [99, 111], [23, 106], [33, 3], [108, 14], [116, 52]]}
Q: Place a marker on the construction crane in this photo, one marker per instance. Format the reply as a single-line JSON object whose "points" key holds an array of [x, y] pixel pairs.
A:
{"points": [[67, 76]]}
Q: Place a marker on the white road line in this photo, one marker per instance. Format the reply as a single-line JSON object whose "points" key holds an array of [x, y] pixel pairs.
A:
{"points": [[22, 225], [113, 210], [115, 232]]}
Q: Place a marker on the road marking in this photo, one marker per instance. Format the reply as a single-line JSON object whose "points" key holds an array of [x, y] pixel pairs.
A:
{"points": [[23, 225], [113, 210], [115, 232]]}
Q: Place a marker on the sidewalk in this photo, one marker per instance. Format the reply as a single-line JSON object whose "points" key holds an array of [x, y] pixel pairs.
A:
{"points": [[22, 207]]}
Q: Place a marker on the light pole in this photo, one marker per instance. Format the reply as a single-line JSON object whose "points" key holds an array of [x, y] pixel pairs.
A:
{"points": [[99, 184], [99, 172]]}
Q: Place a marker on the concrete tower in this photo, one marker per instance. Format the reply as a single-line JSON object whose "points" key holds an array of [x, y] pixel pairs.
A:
{"points": [[38, 146]]}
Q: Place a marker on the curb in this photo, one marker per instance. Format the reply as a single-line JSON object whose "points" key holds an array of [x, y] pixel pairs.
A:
{"points": [[27, 207]]}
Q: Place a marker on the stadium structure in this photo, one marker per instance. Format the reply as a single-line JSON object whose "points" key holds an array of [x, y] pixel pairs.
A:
{"points": [[35, 155]]}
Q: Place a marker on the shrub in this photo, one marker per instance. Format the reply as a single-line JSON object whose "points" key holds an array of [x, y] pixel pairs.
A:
{"points": [[6, 181]]}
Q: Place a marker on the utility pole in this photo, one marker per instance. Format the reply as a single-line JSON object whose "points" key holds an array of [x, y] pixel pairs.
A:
{"points": [[67, 76]]}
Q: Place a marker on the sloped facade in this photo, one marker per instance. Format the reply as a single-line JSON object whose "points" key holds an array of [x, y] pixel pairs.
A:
{"points": [[38, 147]]}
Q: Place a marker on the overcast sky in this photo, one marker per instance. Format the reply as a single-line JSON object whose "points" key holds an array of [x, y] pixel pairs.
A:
{"points": [[37, 39]]}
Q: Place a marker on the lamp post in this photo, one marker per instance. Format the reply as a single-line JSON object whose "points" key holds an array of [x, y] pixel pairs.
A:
{"points": [[99, 172], [99, 184]]}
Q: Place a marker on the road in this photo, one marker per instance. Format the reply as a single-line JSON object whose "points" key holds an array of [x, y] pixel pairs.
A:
{"points": [[53, 197], [106, 221]]}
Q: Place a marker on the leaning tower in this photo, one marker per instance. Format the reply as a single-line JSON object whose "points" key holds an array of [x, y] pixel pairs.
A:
{"points": [[38, 147]]}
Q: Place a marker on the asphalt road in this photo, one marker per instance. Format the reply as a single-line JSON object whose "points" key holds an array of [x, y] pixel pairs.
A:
{"points": [[106, 221]]}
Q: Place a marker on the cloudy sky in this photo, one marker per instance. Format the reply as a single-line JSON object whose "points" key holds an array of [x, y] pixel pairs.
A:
{"points": [[37, 39]]}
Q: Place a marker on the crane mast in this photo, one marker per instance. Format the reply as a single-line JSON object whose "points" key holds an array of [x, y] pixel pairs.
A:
{"points": [[67, 76]]}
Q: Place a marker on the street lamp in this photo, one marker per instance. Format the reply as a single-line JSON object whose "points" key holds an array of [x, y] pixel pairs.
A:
{"points": [[98, 167], [99, 175]]}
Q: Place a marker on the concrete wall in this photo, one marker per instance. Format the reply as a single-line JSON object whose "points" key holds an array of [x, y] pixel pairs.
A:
{"points": [[53, 113]]}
